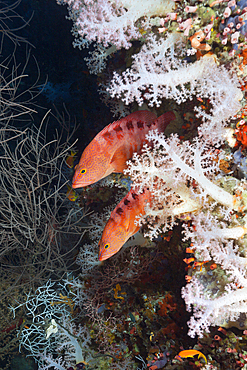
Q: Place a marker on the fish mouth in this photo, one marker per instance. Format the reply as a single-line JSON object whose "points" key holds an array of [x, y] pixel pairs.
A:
{"points": [[75, 185], [100, 257]]}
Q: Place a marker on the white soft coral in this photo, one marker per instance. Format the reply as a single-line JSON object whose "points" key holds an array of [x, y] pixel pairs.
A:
{"points": [[157, 74], [114, 22], [166, 169], [182, 178], [210, 310]]}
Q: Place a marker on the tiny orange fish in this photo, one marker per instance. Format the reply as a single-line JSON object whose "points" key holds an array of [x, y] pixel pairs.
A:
{"points": [[71, 194], [70, 159], [121, 224], [189, 260], [196, 40], [191, 353], [199, 264], [115, 144]]}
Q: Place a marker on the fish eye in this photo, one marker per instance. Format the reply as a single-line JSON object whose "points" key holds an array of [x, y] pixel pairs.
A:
{"points": [[106, 246], [83, 171]]}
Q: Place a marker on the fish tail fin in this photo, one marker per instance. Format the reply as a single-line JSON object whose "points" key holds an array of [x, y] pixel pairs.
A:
{"points": [[204, 357], [163, 121]]}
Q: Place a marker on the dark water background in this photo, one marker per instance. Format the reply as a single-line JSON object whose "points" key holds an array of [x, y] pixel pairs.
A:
{"points": [[63, 77]]}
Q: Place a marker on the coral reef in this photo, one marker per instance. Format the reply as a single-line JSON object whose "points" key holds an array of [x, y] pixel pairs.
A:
{"points": [[129, 312]]}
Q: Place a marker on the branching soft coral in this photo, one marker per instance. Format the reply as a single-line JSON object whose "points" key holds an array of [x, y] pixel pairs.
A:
{"points": [[182, 179], [167, 168], [218, 296], [210, 309], [157, 73], [113, 22]]}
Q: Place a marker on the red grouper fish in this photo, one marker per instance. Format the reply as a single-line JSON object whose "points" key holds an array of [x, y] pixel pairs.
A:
{"points": [[115, 144], [121, 226]]}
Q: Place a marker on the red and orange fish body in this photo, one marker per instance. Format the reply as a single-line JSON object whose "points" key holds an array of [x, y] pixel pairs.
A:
{"points": [[121, 224], [115, 144]]}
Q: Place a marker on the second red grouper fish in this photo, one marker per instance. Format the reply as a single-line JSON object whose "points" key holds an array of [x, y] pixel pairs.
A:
{"points": [[121, 224]]}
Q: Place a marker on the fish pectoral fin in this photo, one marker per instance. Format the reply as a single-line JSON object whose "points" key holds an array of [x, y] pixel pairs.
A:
{"points": [[119, 159], [125, 223], [109, 170], [130, 226]]}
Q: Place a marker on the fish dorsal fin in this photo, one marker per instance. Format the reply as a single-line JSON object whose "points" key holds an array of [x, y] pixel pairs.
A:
{"points": [[109, 132], [142, 115], [121, 216]]}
